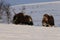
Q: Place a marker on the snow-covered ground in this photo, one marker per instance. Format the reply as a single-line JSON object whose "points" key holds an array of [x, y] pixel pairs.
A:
{"points": [[25, 32], [37, 32]]}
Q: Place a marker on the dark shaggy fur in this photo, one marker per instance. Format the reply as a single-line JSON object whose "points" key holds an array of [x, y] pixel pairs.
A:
{"points": [[20, 18], [28, 20], [49, 22]]}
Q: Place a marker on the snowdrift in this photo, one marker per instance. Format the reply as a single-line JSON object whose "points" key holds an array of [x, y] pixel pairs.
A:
{"points": [[25, 32]]}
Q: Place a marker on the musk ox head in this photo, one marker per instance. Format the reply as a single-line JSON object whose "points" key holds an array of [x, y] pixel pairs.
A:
{"points": [[18, 18]]}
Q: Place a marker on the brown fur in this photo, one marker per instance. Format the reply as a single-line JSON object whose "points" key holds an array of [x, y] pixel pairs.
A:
{"points": [[20, 18], [28, 20], [49, 22]]}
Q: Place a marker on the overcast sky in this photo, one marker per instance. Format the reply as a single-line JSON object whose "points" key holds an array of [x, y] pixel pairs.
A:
{"points": [[15, 2]]}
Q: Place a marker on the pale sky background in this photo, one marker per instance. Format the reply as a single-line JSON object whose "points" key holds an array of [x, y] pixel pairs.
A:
{"points": [[16, 2]]}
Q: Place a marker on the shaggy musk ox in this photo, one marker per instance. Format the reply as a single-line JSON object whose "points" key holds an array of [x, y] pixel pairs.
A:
{"points": [[47, 20], [20, 18]]}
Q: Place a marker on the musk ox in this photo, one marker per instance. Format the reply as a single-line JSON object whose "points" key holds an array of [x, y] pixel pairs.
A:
{"points": [[20, 18], [48, 21]]}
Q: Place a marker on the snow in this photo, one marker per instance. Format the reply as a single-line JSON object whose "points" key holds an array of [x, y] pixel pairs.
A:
{"points": [[25, 32], [41, 3], [35, 32]]}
